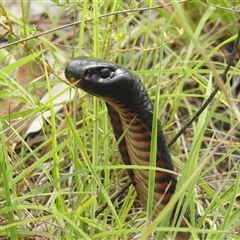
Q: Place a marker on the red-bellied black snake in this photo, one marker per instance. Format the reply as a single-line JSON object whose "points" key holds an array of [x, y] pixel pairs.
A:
{"points": [[130, 109]]}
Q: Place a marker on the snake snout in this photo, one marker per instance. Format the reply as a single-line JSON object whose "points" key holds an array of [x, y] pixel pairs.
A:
{"points": [[73, 73]]}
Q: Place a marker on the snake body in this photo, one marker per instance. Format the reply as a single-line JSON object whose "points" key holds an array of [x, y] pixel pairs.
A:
{"points": [[131, 113]]}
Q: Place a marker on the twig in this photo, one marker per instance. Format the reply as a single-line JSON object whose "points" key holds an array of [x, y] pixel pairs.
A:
{"points": [[86, 20], [214, 92], [113, 197], [232, 9]]}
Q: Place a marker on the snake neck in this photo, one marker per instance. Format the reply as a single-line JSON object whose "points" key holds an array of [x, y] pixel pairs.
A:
{"points": [[135, 129]]}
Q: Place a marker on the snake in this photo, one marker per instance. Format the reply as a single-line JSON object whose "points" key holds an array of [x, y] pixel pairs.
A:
{"points": [[131, 113]]}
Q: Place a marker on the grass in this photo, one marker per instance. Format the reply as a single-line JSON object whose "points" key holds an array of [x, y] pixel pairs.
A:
{"points": [[51, 183]]}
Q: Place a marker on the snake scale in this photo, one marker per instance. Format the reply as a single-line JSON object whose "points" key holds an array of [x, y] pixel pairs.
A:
{"points": [[131, 113]]}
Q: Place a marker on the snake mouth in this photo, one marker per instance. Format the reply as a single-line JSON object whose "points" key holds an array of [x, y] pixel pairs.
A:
{"points": [[73, 80]]}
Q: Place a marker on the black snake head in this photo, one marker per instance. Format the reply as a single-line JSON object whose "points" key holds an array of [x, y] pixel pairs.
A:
{"points": [[100, 78]]}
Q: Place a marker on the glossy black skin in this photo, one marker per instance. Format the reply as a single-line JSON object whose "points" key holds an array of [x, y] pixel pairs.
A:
{"points": [[109, 80], [100, 76]]}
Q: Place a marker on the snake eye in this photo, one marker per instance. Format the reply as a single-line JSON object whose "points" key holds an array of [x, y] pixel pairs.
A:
{"points": [[105, 72]]}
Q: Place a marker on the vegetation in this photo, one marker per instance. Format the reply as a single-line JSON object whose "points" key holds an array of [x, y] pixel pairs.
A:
{"points": [[54, 180]]}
